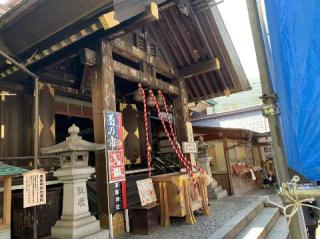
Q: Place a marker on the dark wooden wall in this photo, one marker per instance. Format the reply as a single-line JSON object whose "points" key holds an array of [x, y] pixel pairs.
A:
{"points": [[16, 115]]}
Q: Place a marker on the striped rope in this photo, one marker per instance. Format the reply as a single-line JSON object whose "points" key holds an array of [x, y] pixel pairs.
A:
{"points": [[145, 114], [182, 159], [173, 133]]}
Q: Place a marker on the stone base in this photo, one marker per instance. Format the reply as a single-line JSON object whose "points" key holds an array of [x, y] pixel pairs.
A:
{"points": [[210, 189], [5, 233], [87, 227]]}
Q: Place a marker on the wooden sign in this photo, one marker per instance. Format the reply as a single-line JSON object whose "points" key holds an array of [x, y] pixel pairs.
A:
{"points": [[118, 196], [34, 188], [189, 147], [116, 163], [146, 191], [189, 131]]}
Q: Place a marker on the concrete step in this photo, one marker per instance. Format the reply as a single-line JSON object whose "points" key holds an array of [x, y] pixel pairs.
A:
{"points": [[240, 221], [280, 229], [260, 226], [220, 194]]}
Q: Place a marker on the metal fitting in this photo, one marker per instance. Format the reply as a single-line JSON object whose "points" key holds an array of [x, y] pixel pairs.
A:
{"points": [[298, 191], [270, 110]]}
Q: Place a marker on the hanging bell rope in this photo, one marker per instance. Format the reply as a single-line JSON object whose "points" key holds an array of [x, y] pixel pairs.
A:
{"points": [[173, 133], [178, 152], [145, 117]]}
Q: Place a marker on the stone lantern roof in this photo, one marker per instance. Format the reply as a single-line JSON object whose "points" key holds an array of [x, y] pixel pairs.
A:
{"points": [[73, 143]]}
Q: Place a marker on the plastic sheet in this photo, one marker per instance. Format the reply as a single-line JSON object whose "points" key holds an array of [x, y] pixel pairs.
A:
{"points": [[294, 29]]}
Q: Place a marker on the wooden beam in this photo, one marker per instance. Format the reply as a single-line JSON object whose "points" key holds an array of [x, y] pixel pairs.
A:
{"points": [[200, 68], [110, 20], [127, 50], [131, 74], [89, 57], [132, 52]]}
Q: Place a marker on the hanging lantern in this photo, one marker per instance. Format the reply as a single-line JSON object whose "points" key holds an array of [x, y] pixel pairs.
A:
{"points": [[150, 100], [160, 101], [138, 95]]}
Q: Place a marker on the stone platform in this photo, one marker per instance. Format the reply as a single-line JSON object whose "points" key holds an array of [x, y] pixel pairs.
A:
{"points": [[222, 211], [232, 217]]}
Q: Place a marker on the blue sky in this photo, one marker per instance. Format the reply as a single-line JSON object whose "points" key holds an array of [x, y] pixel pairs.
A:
{"points": [[235, 16]]}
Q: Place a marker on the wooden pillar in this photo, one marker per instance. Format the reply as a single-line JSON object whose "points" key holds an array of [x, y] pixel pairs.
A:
{"points": [[228, 166], [103, 99], [47, 125], [181, 111], [2, 122], [183, 125]]}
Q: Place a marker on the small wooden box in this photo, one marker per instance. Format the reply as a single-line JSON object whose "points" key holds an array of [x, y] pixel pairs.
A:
{"points": [[176, 200], [144, 219]]}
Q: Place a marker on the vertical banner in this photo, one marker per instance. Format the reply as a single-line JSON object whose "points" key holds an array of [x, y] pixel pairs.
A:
{"points": [[116, 161], [113, 131]]}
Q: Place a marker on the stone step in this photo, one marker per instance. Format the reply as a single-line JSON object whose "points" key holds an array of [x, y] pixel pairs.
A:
{"points": [[214, 183], [220, 194], [278, 203], [280, 229], [240, 221], [260, 226], [217, 189]]}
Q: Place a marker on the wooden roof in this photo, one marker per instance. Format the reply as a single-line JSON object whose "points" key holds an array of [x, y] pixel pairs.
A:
{"points": [[51, 30], [199, 37], [212, 133]]}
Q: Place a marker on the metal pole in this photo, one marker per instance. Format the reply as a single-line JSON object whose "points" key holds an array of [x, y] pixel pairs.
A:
{"points": [[21, 66], [36, 124], [36, 146], [297, 225]]}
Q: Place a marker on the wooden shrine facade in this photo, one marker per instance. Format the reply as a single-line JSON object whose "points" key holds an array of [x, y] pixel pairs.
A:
{"points": [[91, 58]]}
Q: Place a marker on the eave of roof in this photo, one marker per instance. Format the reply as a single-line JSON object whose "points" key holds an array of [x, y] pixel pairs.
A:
{"points": [[251, 119], [219, 132], [199, 37], [202, 36], [228, 113]]}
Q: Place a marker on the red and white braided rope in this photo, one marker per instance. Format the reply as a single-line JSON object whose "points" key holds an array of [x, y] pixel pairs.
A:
{"points": [[177, 149], [174, 135], [145, 117]]}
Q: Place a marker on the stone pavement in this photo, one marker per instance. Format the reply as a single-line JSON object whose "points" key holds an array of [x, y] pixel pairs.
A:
{"points": [[222, 211]]}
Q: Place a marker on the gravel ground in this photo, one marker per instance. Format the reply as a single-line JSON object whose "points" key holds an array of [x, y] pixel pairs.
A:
{"points": [[222, 211]]}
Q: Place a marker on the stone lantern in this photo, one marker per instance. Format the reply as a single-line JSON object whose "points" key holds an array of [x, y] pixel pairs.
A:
{"points": [[203, 161], [76, 220]]}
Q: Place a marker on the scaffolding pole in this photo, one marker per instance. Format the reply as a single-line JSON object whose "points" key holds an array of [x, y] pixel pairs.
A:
{"points": [[297, 226]]}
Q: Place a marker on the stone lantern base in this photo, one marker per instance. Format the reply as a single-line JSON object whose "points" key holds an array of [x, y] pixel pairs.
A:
{"points": [[204, 163], [85, 227]]}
